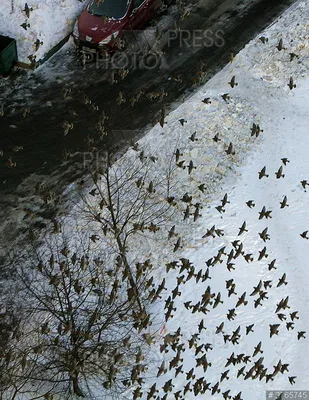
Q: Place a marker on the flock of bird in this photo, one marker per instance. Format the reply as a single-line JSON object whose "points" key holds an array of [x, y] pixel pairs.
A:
{"points": [[251, 365], [38, 43]]}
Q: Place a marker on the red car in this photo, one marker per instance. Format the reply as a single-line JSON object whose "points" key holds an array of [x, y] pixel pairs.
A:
{"points": [[103, 22]]}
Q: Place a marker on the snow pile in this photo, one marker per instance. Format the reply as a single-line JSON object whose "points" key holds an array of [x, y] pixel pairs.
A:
{"points": [[50, 21]]}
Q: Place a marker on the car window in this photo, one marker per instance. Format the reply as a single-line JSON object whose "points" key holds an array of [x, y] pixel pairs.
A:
{"points": [[108, 8], [137, 3]]}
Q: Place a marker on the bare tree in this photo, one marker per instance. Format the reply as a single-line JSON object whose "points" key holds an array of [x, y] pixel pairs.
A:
{"points": [[125, 202], [82, 304], [78, 326]]}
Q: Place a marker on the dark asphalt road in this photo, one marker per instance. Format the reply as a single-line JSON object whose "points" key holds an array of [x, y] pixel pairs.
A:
{"points": [[41, 133]]}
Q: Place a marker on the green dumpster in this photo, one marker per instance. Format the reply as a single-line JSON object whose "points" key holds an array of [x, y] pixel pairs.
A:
{"points": [[8, 54]]}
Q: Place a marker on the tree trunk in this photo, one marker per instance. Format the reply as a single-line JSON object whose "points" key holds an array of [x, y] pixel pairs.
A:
{"points": [[76, 388]]}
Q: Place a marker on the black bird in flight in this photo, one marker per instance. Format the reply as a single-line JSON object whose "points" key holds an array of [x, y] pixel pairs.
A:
{"points": [[262, 173]]}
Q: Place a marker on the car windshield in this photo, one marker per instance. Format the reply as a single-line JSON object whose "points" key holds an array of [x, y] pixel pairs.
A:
{"points": [[108, 8]]}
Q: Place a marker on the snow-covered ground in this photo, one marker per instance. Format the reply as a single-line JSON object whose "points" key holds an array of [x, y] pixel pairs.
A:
{"points": [[285, 132], [47, 22], [262, 96]]}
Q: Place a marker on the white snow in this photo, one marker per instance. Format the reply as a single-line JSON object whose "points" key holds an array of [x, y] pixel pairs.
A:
{"points": [[50, 22], [283, 120]]}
